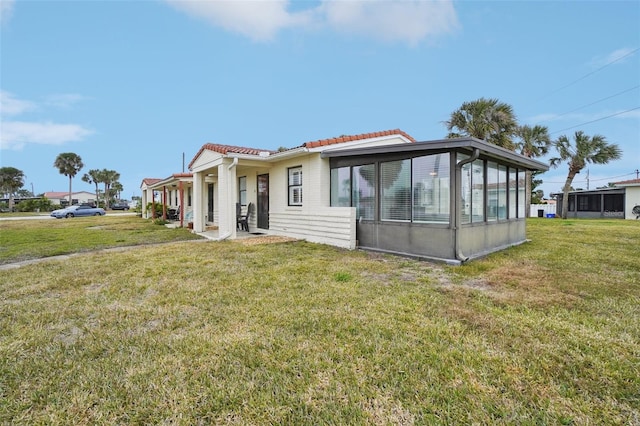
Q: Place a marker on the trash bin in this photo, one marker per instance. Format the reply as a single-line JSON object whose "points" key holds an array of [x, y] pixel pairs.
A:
{"points": [[551, 215], [540, 213]]}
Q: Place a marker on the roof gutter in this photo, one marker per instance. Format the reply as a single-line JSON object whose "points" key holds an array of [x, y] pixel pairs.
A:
{"points": [[458, 207]]}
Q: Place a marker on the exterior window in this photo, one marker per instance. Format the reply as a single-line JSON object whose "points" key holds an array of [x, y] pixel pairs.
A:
{"points": [[363, 191], [477, 191], [521, 193], [502, 192], [189, 196], [341, 187], [613, 203], [430, 184], [513, 195], [492, 191], [589, 203], [395, 188], [295, 186], [465, 190], [242, 190]]}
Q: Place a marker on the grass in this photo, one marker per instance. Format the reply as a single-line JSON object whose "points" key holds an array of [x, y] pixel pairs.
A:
{"points": [[298, 333], [31, 239]]}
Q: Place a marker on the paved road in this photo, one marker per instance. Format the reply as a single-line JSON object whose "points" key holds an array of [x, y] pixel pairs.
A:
{"points": [[46, 217]]}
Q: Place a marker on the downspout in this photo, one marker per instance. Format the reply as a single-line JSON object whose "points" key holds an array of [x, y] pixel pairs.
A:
{"points": [[458, 208], [231, 166]]}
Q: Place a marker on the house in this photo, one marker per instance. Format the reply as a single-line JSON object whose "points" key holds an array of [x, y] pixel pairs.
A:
{"points": [[62, 198], [617, 201], [449, 200]]}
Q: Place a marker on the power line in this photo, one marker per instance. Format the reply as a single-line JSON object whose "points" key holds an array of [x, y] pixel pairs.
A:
{"points": [[597, 119], [592, 103], [591, 73], [597, 180]]}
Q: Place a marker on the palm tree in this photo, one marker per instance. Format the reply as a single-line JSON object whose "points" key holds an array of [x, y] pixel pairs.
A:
{"points": [[69, 164], [594, 150], [486, 119], [116, 189], [93, 177], [534, 142], [11, 180], [108, 177]]}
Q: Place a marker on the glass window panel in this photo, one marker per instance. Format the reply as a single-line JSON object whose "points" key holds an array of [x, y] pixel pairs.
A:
{"points": [[513, 196], [492, 191], [431, 188], [295, 186], [395, 188], [521, 193], [242, 190], [477, 191], [363, 191], [465, 189], [502, 192], [341, 187]]}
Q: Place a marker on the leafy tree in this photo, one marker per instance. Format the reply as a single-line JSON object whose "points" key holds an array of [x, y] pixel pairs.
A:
{"points": [[108, 177], [486, 119], [11, 180], [93, 177], [533, 142], [68, 164], [116, 189], [583, 150]]}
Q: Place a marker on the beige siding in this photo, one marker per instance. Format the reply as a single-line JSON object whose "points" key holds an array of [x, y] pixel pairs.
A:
{"points": [[632, 198], [330, 225]]}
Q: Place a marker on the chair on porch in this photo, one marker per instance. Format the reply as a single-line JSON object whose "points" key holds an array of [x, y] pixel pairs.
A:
{"points": [[173, 214], [243, 220]]}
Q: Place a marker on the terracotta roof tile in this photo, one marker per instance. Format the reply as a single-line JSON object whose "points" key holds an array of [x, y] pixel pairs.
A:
{"points": [[150, 181], [226, 149], [626, 182], [349, 138]]}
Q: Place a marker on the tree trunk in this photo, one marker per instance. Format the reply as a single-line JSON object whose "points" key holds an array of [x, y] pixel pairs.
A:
{"points": [[69, 190], [565, 194]]}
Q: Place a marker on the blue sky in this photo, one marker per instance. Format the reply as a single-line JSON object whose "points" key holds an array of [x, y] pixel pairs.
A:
{"points": [[132, 85]]}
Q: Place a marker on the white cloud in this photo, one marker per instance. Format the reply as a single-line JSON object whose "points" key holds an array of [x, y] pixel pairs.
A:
{"points": [[617, 56], [258, 20], [409, 21], [11, 106], [14, 135], [63, 100], [403, 21], [6, 9]]}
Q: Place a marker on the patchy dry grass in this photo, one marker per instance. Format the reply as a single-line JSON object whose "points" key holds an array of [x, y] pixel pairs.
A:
{"points": [[298, 333], [31, 239]]}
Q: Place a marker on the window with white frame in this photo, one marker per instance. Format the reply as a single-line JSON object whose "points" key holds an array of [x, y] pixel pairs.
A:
{"points": [[295, 186], [242, 190]]}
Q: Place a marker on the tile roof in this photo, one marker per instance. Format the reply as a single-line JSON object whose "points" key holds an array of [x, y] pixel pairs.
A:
{"points": [[627, 182], [349, 138], [225, 149], [150, 181]]}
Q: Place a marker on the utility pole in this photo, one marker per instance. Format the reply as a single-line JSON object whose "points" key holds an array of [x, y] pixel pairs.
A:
{"points": [[637, 174]]}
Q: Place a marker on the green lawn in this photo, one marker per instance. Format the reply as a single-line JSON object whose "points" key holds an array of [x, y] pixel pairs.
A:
{"points": [[299, 333]]}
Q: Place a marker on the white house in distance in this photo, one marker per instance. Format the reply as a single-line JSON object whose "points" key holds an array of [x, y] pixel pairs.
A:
{"points": [[81, 197], [621, 201], [449, 200]]}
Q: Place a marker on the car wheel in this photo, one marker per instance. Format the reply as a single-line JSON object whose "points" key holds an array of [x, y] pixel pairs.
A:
{"points": [[69, 215], [96, 214]]}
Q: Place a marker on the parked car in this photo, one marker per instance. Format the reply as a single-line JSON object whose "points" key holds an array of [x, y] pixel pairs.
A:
{"points": [[120, 206], [82, 210]]}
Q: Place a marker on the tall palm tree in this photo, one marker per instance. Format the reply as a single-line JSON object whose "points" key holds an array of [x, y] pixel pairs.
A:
{"points": [[117, 188], [11, 180], [69, 164], [93, 177], [585, 149], [534, 142], [108, 177], [486, 119]]}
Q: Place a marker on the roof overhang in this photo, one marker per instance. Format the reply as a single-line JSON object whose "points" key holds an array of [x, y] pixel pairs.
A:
{"points": [[467, 144]]}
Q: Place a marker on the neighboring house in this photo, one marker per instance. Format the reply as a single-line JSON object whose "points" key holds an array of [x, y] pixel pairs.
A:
{"points": [[173, 193], [81, 197], [449, 200], [617, 201]]}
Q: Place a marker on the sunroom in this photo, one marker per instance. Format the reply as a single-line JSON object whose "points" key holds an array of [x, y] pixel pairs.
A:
{"points": [[450, 200]]}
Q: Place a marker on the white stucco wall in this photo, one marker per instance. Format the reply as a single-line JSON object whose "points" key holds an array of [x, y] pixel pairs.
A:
{"points": [[632, 198]]}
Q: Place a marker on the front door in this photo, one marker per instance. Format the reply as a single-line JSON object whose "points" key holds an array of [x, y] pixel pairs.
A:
{"points": [[210, 217], [263, 201]]}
